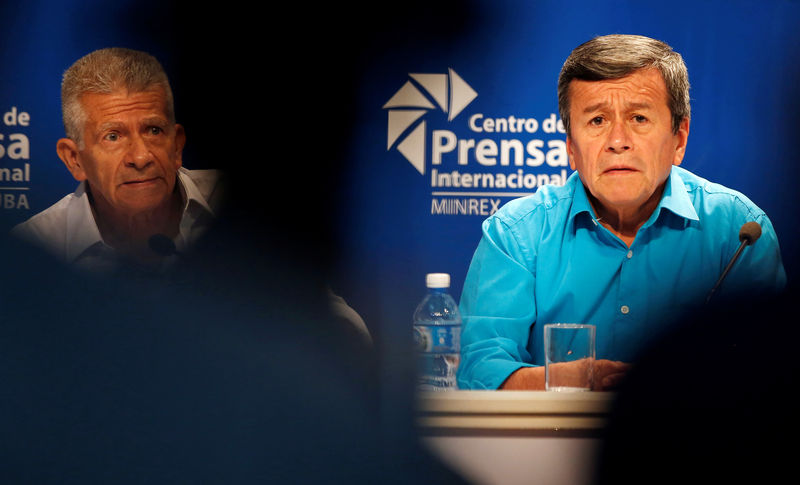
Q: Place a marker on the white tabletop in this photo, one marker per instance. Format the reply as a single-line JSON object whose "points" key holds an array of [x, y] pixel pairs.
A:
{"points": [[521, 411]]}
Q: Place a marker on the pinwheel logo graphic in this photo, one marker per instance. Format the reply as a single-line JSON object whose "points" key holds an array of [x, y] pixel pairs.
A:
{"points": [[413, 100]]}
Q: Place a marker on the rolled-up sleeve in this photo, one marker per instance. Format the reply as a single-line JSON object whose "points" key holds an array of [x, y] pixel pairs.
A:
{"points": [[498, 308]]}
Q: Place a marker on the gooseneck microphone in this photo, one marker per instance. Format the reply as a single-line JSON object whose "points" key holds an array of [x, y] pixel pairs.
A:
{"points": [[748, 235]]}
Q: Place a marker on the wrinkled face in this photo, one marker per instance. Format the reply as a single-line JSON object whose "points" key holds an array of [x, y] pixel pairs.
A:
{"points": [[131, 152], [621, 140]]}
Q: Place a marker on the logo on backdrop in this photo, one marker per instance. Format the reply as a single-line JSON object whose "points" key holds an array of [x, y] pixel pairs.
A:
{"points": [[470, 176], [450, 93]]}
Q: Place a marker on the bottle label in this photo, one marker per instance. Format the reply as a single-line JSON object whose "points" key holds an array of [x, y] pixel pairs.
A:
{"points": [[437, 338]]}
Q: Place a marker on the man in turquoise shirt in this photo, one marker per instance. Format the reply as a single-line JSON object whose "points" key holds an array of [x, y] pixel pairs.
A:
{"points": [[627, 244]]}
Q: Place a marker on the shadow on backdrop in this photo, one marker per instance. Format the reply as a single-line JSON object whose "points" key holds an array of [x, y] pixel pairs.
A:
{"points": [[230, 369]]}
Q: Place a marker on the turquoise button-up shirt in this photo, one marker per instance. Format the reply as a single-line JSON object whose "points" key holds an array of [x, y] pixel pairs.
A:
{"points": [[544, 258]]}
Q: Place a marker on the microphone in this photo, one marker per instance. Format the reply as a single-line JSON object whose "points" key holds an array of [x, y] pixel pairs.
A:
{"points": [[163, 245], [748, 234]]}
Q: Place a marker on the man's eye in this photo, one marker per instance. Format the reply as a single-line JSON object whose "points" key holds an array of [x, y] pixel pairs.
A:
{"points": [[112, 137], [597, 120], [639, 118], [156, 130]]}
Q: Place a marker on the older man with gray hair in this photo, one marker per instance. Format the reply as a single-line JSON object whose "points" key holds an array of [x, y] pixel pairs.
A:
{"points": [[125, 148], [631, 240]]}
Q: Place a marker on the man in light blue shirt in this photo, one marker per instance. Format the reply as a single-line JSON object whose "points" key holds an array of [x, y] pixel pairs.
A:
{"points": [[627, 244]]}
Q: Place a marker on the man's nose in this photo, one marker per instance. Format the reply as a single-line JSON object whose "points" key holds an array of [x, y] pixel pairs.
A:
{"points": [[619, 138], [139, 154]]}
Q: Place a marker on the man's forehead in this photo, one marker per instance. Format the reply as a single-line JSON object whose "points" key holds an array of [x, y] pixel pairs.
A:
{"points": [[123, 102], [639, 87]]}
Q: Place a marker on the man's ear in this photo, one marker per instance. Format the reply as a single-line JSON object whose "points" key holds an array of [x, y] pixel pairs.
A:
{"points": [[68, 152], [180, 142], [569, 153], [681, 138]]}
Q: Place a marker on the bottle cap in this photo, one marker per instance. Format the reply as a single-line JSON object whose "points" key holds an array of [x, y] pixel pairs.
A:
{"points": [[437, 280]]}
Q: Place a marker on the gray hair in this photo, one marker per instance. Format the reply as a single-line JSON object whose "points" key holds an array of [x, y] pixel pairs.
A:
{"points": [[104, 71], [616, 56]]}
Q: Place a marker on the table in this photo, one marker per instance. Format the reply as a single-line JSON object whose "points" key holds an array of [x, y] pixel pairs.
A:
{"points": [[510, 437]]}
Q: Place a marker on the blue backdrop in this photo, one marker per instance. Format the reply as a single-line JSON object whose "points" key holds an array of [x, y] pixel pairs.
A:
{"points": [[742, 60]]}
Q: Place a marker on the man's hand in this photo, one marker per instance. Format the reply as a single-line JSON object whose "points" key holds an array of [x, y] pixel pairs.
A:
{"points": [[607, 374]]}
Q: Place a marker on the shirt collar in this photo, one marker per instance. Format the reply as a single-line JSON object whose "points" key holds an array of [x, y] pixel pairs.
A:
{"points": [[82, 231], [191, 193], [580, 201], [675, 198]]}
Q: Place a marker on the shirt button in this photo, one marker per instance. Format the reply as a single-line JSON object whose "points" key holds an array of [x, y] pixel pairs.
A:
{"points": [[624, 309], [630, 254]]}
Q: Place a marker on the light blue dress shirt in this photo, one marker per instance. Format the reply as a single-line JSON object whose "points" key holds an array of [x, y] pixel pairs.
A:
{"points": [[68, 230], [545, 259]]}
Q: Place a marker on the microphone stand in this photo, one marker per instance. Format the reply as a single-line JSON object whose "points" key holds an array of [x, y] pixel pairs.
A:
{"points": [[748, 234], [727, 268]]}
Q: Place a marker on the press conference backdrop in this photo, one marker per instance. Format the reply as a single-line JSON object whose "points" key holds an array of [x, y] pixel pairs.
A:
{"points": [[452, 113]]}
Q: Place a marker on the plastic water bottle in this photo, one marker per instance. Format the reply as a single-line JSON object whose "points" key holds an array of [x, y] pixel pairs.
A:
{"points": [[437, 335]]}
